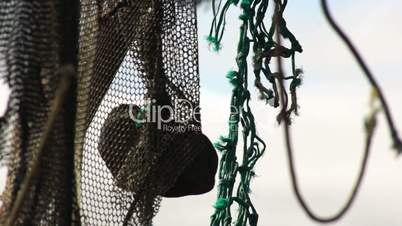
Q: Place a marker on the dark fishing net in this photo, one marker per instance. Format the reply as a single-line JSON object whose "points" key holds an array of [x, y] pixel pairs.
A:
{"points": [[128, 131], [37, 48]]}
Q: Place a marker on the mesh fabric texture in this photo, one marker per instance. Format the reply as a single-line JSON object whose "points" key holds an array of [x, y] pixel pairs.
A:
{"points": [[37, 46], [125, 53]]}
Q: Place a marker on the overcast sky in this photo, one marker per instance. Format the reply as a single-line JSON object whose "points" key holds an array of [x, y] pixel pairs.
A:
{"points": [[328, 140]]}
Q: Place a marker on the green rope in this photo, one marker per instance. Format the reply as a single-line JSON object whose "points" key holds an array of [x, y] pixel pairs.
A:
{"points": [[253, 37]]}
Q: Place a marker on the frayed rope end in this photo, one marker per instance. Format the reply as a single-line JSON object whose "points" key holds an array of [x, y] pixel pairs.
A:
{"points": [[213, 41]]}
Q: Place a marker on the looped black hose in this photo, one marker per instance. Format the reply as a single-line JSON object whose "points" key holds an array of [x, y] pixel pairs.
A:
{"points": [[352, 195], [363, 166], [370, 77]]}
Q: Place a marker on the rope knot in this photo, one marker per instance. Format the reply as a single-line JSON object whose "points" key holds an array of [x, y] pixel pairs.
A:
{"points": [[221, 204]]}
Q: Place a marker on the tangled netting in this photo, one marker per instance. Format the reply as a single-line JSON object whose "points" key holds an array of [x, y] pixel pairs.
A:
{"points": [[37, 49], [103, 117], [254, 39]]}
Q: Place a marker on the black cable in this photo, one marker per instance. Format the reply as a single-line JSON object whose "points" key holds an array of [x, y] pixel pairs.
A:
{"points": [[363, 166], [370, 77]]}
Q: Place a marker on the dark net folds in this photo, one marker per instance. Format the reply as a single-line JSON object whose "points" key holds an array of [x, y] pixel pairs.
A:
{"points": [[36, 49], [99, 166]]}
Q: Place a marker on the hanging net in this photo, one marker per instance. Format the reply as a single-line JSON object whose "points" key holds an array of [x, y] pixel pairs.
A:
{"points": [[38, 49], [125, 129]]}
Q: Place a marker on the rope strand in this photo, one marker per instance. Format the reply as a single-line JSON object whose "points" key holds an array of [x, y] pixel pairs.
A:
{"points": [[370, 127], [370, 77]]}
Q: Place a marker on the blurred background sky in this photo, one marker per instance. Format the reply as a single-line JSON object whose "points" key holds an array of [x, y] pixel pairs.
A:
{"points": [[328, 135]]}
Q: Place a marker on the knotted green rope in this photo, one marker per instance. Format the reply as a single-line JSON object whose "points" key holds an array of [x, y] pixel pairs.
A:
{"points": [[253, 37]]}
